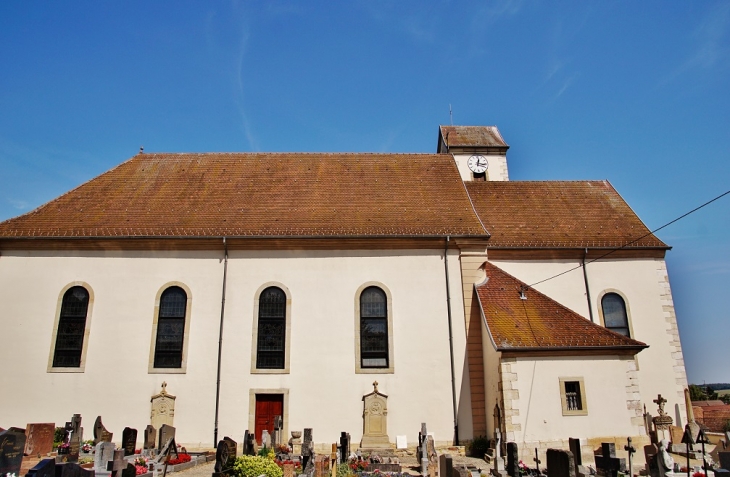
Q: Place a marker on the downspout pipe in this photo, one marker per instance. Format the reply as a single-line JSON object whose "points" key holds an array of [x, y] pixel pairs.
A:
{"points": [[588, 291], [451, 341], [220, 342]]}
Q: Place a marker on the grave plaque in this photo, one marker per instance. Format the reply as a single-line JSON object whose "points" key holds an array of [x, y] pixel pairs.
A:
{"points": [[375, 420], [150, 437], [74, 441], [100, 432], [12, 444], [129, 440], [104, 452], [560, 463], [166, 433], [44, 468], [39, 438]]}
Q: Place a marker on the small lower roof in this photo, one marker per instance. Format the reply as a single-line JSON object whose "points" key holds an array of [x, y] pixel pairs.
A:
{"points": [[539, 322]]}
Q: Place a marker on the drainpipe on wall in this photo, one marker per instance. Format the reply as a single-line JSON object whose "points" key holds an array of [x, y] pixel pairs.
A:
{"points": [[451, 342], [588, 291], [220, 342]]}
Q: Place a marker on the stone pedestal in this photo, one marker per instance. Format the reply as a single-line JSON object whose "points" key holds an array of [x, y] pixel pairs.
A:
{"points": [[163, 408]]}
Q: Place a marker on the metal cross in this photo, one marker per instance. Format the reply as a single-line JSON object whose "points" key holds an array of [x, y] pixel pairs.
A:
{"points": [[537, 462], [631, 449]]}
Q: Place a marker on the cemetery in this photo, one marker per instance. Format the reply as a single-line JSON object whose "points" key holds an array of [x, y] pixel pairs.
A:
{"points": [[47, 450]]}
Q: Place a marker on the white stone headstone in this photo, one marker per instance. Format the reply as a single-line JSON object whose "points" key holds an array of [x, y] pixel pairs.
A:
{"points": [[401, 442]]}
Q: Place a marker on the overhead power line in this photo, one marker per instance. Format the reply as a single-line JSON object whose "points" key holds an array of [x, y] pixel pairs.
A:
{"points": [[635, 240]]}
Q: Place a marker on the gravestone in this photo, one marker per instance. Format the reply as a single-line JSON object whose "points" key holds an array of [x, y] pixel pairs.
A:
{"points": [[224, 457], [74, 441], [265, 439], [276, 436], [724, 460], [44, 468], [575, 448], [560, 463], [401, 442], [421, 450], [446, 466], [12, 444], [461, 471], [166, 433], [248, 448], [163, 408], [650, 453], [129, 440], [103, 453], [513, 460], [375, 420], [296, 442], [129, 471], [150, 437], [39, 438], [307, 447], [344, 446], [100, 432], [72, 469], [607, 463], [664, 461]]}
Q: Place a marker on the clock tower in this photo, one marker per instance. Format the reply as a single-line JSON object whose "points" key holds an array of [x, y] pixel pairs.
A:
{"points": [[479, 151]]}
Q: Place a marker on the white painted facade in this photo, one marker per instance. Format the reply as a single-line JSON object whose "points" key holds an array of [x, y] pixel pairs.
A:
{"points": [[322, 388]]}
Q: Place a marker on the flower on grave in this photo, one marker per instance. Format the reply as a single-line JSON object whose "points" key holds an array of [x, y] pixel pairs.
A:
{"points": [[140, 469], [181, 459], [86, 447]]}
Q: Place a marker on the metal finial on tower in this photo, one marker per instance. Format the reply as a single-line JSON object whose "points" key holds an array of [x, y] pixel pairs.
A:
{"points": [[141, 149], [451, 115]]}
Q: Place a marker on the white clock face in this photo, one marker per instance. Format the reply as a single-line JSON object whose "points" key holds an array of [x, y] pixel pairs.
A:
{"points": [[477, 163]]}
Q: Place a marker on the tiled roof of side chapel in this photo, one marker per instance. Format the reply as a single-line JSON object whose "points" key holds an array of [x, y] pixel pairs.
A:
{"points": [[558, 214], [539, 322], [261, 195]]}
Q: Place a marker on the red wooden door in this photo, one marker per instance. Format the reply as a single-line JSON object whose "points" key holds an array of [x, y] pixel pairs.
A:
{"points": [[267, 406]]}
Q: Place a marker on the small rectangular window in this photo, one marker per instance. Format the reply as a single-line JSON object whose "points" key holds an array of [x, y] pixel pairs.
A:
{"points": [[572, 397]]}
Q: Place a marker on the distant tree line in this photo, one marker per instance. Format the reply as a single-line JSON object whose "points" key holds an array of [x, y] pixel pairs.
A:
{"points": [[707, 392]]}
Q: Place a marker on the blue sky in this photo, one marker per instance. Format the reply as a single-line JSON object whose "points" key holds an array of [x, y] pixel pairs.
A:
{"points": [[634, 92]]}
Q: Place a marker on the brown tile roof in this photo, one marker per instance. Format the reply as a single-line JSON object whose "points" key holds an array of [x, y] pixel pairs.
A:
{"points": [[538, 323], [557, 214], [472, 136], [274, 194]]}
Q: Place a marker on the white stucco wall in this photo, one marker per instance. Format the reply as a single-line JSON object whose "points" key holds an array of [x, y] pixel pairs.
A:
{"points": [[641, 282], [324, 392]]}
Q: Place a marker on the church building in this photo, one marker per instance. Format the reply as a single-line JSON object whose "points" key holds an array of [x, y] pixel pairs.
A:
{"points": [[257, 285]]}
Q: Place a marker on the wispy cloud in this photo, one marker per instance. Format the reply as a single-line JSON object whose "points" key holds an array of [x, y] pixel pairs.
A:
{"points": [[19, 204], [710, 43]]}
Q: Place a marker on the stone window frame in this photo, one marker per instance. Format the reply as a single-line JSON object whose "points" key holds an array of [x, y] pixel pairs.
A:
{"points": [[626, 307], [87, 329], [186, 332], [255, 331], [391, 356], [583, 398], [252, 392]]}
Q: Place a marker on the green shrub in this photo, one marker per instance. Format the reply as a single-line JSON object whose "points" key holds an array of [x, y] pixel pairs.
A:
{"points": [[59, 434], [253, 466], [478, 447], [344, 470]]}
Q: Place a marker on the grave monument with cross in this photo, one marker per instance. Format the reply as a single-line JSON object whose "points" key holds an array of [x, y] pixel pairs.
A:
{"points": [[663, 420]]}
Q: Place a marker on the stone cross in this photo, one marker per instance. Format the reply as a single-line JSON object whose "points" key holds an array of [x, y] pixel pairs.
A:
{"points": [[607, 463], [74, 441], [117, 465], [103, 453], [498, 469], [422, 450], [660, 401]]}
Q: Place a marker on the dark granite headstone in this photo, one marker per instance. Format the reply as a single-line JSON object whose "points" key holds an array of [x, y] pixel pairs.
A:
{"points": [[129, 471], [248, 443], [721, 472], [166, 433], [225, 455], [344, 446], [513, 460], [12, 444], [39, 438], [724, 459], [307, 447], [72, 469], [129, 440], [100, 432], [446, 466], [574, 446], [560, 463], [150, 437], [607, 463], [44, 468]]}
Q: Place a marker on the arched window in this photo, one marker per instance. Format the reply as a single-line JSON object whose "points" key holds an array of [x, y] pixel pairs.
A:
{"points": [[171, 328], [373, 328], [71, 328], [271, 340], [614, 313]]}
